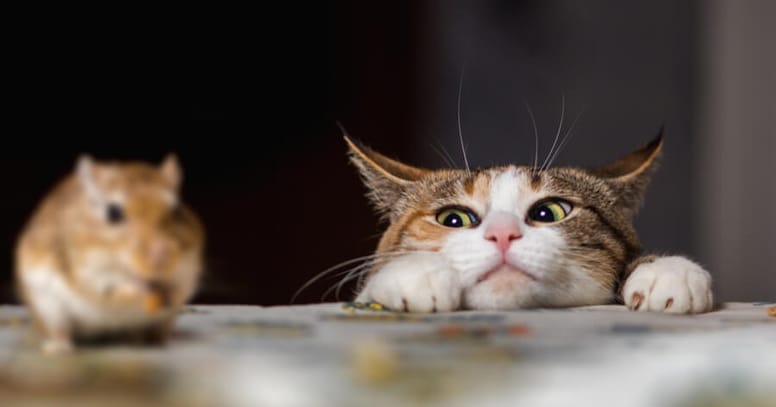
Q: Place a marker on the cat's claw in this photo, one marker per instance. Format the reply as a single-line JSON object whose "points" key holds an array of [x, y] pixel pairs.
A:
{"points": [[669, 284], [417, 282]]}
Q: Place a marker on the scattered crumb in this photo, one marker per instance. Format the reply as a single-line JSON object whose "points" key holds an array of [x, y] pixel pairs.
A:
{"points": [[352, 316], [375, 306], [451, 330], [369, 306], [519, 330]]}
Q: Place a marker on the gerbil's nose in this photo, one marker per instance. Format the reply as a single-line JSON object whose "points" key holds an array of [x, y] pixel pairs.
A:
{"points": [[502, 230], [159, 252]]}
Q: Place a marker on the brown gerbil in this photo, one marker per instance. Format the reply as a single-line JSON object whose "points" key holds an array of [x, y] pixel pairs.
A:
{"points": [[111, 251]]}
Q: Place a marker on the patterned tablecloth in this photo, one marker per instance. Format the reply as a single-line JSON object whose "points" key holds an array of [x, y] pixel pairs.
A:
{"points": [[332, 355]]}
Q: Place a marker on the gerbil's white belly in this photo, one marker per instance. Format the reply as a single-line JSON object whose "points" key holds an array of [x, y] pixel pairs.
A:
{"points": [[59, 306]]}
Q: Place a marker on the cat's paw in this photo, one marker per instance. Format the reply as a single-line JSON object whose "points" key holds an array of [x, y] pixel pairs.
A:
{"points": [[417, 282], [669, 284]]}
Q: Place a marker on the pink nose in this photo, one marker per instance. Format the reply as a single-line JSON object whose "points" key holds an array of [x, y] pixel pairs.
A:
{"points": [[503, 233], [158, 252]]}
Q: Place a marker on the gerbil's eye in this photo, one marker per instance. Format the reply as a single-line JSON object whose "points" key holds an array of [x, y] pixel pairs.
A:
{"points": [[114, 213], [456, 218], [549, 211]]}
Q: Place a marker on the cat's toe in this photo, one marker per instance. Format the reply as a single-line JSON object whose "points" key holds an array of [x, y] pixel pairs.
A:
{"points": [[669, 294], [414, 283], [413, 301], [669, 284]]}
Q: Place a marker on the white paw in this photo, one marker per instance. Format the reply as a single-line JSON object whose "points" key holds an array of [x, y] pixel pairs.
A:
{"points": [[417, 282], [57, 346], [669, 284]]}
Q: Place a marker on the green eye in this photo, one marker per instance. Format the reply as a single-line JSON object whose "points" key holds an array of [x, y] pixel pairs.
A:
{"points": [[456, 218], [550, 211]]}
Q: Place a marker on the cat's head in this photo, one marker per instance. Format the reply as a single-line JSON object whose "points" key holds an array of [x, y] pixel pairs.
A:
{"points": [[516, 236]]}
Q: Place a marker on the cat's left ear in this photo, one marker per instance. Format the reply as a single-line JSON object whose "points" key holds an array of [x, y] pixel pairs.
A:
{"points": [[387, 179], [630, 175]]}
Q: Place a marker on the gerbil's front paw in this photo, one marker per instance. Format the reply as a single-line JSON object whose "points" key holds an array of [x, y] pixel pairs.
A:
{"points": [[669, 284], [126, 292], [417, 282], [57, 346]]}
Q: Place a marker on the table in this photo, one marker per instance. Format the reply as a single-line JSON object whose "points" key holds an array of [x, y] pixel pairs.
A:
{"points": [[332, 355]]}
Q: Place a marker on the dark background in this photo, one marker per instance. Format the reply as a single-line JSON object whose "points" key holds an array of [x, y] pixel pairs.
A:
{"points": [[249, 100]]}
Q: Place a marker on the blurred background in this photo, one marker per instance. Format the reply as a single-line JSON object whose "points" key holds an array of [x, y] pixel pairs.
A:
{"points": [[249, 99]]}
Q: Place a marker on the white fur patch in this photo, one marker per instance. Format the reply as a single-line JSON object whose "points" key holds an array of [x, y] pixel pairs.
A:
{"points": [[417, 282], [47, 292], [58, 306], [669, 284], [505, 191]]}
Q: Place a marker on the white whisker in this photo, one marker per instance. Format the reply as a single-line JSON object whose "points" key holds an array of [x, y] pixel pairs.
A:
{"points": [[444, 158], [557, 134], [357, 272], [536, 136], [348, 276], [460, 132], [337, 267], [566, 138]]}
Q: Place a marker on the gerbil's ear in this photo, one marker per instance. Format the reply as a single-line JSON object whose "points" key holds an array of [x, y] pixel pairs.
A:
{"points": [[171, 170], [631, 174], [386, 179], [85, 174]]}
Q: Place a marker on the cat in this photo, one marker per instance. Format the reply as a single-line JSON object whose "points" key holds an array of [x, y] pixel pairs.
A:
{"points": [[519, 237]]}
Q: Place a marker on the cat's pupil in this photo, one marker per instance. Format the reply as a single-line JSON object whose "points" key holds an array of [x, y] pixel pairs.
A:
{"points": [[545, 215], [453, 221]]}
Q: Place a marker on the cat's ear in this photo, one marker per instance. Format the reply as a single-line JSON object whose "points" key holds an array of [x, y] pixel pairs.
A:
{"points": [[630, 175], [387, 179]]}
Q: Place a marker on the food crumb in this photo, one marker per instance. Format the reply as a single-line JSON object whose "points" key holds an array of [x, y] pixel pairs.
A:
{"points": [[451, 330], [153, 303], [375, 306], [369, 306]]}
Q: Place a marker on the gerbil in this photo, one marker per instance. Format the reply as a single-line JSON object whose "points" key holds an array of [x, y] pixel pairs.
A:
{"points": [[110, 252]]}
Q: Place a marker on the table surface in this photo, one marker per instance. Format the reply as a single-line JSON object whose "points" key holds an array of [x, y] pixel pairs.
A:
{"points": [[332, 355]]}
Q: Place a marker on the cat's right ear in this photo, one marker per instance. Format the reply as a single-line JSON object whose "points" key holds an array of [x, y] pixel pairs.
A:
{"points": [[387, 179], [630, 174]]}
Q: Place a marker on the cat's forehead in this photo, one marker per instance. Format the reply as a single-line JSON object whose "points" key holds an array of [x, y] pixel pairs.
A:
{"points": [[503, 186]]}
